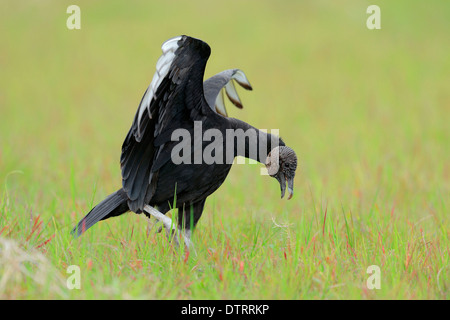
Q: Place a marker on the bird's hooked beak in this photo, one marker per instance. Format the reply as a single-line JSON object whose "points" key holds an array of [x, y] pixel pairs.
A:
{"points": [[281, 172], [282, 179]]}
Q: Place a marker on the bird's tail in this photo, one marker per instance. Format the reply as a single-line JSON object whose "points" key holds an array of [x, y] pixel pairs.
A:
{"points": [[114, 205]]}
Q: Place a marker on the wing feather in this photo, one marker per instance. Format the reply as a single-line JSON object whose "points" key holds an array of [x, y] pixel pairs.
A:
{"points": [[215, 87], [231, 92], [173, 99], [220, 104]]}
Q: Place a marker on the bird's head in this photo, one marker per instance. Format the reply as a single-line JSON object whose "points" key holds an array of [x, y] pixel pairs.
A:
{"points": [[281, 164]]}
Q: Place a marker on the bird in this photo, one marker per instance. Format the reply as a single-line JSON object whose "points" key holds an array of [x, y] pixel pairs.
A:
{"points": [[178, 100]]}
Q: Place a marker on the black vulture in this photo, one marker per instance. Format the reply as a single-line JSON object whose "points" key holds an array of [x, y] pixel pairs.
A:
{"points": [[178, 102]]}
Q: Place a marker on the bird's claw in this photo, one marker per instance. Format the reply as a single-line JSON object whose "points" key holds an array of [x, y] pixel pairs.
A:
{"points": [[169, 226]]}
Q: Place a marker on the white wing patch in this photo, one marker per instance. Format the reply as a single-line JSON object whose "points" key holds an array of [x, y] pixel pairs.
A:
{"points": [[220, 104], [162, 69], [230, 90], [241, 78], [232, 94]]}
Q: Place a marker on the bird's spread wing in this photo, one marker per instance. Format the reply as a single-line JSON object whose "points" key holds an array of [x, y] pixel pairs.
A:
{"points": [[214, 94], [174, 96]]}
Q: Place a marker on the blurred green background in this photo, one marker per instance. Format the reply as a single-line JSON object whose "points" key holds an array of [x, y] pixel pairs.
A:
{"points": [[367, 111], [359, 106], [356, 104]]}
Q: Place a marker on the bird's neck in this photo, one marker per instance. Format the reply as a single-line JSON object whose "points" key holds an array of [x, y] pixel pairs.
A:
{"points": [[253, 143]]}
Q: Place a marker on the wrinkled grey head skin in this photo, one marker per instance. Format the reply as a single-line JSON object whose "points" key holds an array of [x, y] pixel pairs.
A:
{"points": [[281, 163]]}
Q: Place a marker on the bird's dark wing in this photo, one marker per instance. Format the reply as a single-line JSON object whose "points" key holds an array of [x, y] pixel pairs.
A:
{"points": [[174, 97], [214, 94]]}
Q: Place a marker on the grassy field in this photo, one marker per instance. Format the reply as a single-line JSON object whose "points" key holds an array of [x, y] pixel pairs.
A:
{"points": [[367, 112]]}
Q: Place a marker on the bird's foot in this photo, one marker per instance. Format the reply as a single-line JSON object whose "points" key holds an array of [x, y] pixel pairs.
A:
{"points": [[172, 232]]}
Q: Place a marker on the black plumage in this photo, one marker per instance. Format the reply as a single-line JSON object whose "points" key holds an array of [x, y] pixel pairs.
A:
{"points": [[176, 99]]}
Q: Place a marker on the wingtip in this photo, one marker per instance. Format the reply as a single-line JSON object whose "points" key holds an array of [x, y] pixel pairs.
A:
{"points": [[241, 78], [237, 103], [219, 111], [246, 86], [232, 94]]}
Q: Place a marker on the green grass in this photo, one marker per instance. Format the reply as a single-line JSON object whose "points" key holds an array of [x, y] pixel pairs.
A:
{"points": [[366, 111]]}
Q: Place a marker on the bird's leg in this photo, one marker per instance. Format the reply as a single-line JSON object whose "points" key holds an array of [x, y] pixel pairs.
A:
{"points": [[168, 225]]}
